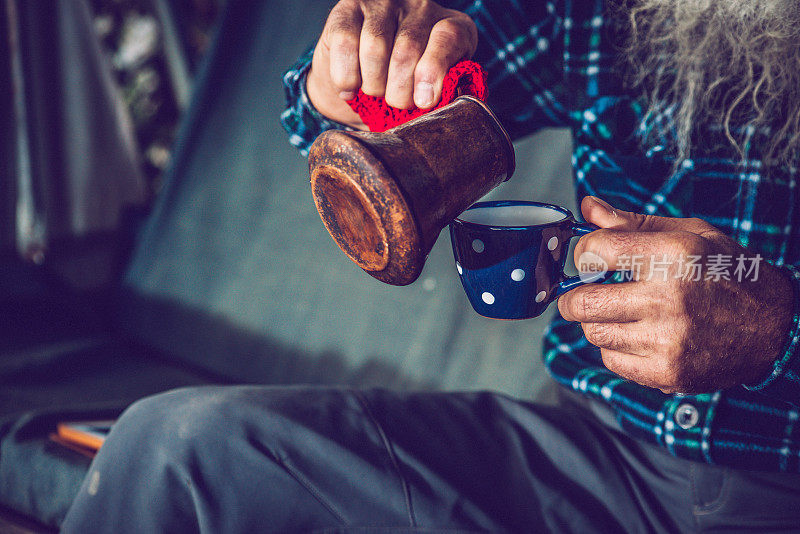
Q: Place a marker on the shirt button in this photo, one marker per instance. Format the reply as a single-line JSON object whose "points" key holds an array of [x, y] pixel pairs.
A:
{"points": [[686, 416]]}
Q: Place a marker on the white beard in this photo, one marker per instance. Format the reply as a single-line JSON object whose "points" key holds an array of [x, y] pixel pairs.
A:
{"points": [[721, 62]]}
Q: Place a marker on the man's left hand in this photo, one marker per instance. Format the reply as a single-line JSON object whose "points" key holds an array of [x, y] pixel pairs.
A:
{"points": [[670, 328]]}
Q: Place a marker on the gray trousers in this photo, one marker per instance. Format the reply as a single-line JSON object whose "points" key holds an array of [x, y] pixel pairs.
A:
{"points": [[299, 459]]}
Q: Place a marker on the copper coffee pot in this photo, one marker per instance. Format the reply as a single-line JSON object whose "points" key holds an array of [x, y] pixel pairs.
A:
{"points": [[385, 197]]}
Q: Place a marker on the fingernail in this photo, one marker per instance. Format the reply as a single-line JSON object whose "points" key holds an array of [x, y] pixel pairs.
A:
{"points": [[603, 203], [347, 95], [423, 95]]}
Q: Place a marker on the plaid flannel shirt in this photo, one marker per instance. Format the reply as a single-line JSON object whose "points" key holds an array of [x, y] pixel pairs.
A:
{"points": [[557, 63]]}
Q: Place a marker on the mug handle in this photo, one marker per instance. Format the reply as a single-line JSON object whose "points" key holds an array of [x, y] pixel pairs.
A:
{"points": [[571, 282]]}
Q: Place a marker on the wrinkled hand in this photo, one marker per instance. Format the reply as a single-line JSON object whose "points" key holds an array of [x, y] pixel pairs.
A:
{"points": [[399, 49], [670, 331]]}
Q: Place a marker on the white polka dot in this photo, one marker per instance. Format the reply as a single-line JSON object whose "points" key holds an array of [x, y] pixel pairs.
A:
{"points": [[488, 298], [477, 246], [517, 275], [541, 296], [589, 115], [459, 269], [591, 70], [542, 44], [553, 243], [669, 439]]}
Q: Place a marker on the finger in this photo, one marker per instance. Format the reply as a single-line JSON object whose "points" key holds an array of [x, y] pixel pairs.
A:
{"points": [[409, 45], [342, 35], [630, 338], [601, 213], [322, 94], [640, 369], [449, 42], [647, 255], [606, 303], [375, 47]]}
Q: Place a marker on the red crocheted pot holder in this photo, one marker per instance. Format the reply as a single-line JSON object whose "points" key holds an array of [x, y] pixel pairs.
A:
{"points": [[466, 77]]}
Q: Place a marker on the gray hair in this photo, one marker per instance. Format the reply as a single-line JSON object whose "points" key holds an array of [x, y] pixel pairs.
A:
{"points": [[720, 62]]}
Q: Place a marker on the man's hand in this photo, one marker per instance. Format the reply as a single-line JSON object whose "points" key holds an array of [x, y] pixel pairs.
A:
{"points": [[665, 329], [398, 49]]}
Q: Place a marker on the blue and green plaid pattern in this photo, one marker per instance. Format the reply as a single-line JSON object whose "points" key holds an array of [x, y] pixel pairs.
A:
{"points": [[557, 63]]}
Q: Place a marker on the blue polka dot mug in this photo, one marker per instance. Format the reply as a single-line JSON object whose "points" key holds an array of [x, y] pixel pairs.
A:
{"points": [[510, 256]]}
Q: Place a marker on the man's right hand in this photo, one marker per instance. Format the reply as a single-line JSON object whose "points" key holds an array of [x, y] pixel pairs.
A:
{"points": [[398, 49]]}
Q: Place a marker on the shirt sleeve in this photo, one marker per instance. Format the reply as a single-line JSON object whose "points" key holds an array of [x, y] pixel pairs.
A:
{"points": [[783, 380], [521, 45]]}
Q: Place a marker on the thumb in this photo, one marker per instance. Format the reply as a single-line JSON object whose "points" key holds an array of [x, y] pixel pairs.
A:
{"points": [[601, 213]]}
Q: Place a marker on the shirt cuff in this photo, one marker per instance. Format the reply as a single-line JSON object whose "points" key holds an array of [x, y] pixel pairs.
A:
{"points": [[301, 120], [784, 373]]}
